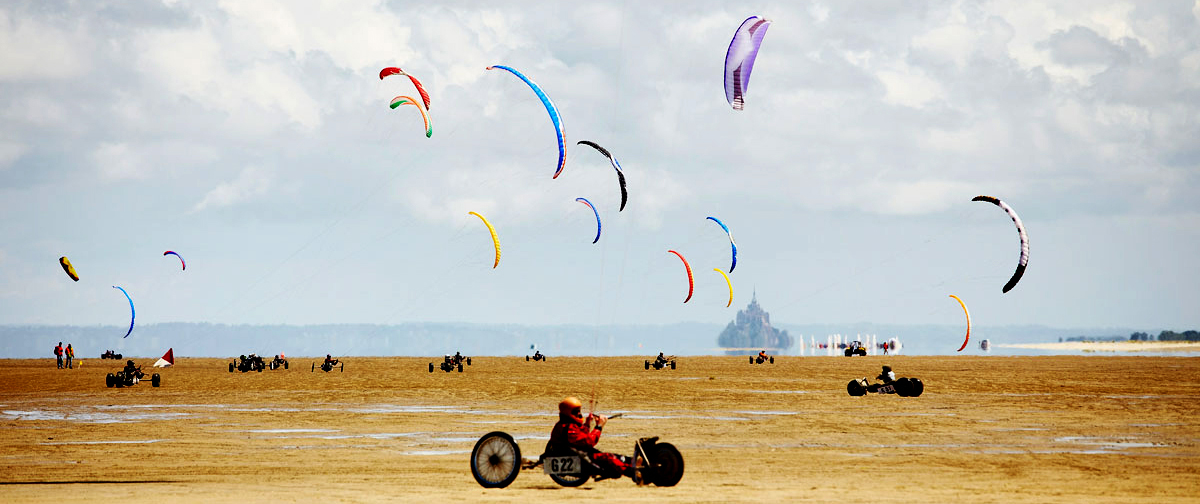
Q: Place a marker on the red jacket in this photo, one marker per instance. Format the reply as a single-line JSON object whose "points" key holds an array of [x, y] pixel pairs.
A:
{"points": [[58, 350], [568, 432]]}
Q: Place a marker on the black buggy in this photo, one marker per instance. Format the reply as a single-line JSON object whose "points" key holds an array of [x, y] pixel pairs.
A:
{"points": [[109, 354], [661, 362], [248, 363], [903, 387], [496, 461], [856, 348], [327, 366], [759, 359], [537, 356], [129, 377], [277, 362], [451, 362]]}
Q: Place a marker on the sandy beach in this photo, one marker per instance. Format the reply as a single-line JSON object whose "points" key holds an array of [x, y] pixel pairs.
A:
{"points": [[987, 429]]}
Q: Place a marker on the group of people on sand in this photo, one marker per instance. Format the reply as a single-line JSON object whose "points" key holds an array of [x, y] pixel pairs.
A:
{"points": [[67, 354]]}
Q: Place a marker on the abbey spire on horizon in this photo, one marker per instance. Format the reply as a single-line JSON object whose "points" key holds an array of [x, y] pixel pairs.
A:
{"points": [[751, 331]]}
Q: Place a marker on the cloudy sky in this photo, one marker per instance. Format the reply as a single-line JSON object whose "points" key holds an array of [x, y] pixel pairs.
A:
{"points": [[254, 139]]}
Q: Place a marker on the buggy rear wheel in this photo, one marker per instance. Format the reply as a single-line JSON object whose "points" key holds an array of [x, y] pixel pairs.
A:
{"points": [[569, 480], [849, 352], [916, 387], [495, 460], [647, 364], [855, 388], [667, 463], [672, 364], [155, 380], [110, 380], [230, 367], [430, 367]]}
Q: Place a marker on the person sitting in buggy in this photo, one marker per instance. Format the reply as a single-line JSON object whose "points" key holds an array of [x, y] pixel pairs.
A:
{"points": [[660, 359], [133, 371], [762, 355], [537, 354], [574, 433], [886, 376], [329, 361]]}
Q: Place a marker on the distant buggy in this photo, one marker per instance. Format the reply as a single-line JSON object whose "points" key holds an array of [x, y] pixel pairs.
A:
{"points": [[856, 348], [248, 363], [122, 379], [759, 359], [537, 356], [451, 362], [661, 362]]}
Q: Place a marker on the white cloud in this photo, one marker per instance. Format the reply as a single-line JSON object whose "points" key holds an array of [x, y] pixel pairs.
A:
{"points": [[34, 50], [119, 161], [908, 86], [252, 181]]}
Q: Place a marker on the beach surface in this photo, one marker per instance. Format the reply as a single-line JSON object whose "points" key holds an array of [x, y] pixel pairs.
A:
{"points": [[1046, 429], [1110, 346]]}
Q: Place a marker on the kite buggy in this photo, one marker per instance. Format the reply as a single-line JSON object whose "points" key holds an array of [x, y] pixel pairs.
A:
{"points": [[537, 356], [452, 362], [661, 362], [888, 384], [329, 364], [496, 461], [130, 376], [762, 357], [248, 363]]}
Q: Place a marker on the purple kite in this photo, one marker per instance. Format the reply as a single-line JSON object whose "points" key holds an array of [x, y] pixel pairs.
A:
{"points": [[739, 60]]}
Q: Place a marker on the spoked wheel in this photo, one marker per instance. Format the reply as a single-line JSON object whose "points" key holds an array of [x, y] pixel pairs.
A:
{"points": [[667, 463], [569, 480], [495, 460]]}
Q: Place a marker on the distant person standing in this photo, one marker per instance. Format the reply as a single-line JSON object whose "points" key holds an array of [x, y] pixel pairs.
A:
{"points": [[58, 353], [70, 357]]}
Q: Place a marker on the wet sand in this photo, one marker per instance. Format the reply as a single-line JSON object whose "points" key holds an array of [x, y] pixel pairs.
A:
{"points": [[987, 429], [1111, 346]]}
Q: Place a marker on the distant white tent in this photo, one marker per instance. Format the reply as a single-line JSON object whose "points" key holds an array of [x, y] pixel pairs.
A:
{"points": [[167, 360]]}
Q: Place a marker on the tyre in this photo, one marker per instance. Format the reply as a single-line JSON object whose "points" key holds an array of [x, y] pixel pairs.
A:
{"points": [[285, 364], [459, 367], [855, 388], [772, 360], [468, 361], [917, 387], [495, 460], [647, 364], [230, 367], [258, 368], [849, 352], [119, 379], [861, 351], [569, 480], [526, 358], [903, 387], [752, 360], [341, 367], [667, 463], [271, 365], [155, 380], [314, 368], [672, 364], [430, 367], [110, 380], [543, 358]]}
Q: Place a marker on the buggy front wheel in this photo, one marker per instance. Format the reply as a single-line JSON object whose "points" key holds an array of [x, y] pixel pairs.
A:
{"points": [[667, 465], [569, 480], [495, 460]]}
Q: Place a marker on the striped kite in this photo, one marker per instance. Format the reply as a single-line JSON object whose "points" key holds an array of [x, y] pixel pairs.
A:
{"points": [[1024, 260], [732, 244], [616, 166], [689, 272], [739, 59], [416, 83], [589, 204]]}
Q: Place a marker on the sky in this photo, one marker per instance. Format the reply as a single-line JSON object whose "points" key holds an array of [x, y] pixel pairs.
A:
{"points": [[255, 139]]}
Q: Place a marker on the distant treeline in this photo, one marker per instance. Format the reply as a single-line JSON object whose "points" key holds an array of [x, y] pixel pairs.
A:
{"points": [[1167, 336]]}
